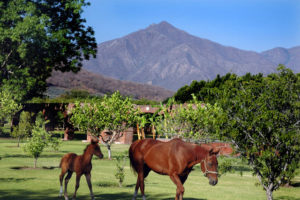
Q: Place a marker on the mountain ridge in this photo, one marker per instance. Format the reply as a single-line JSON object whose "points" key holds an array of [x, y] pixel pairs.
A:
{"points": [[168, 57]]}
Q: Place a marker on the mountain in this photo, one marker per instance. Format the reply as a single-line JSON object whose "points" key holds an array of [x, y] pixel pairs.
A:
{"points": [[288, 57], [165, 56], [99, 84]]}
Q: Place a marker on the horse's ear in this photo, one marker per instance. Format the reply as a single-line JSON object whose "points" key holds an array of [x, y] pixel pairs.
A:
{"points": [[213, 151]]}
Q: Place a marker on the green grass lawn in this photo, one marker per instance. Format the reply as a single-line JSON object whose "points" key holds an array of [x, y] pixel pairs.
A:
{"points": [[43, 183]]}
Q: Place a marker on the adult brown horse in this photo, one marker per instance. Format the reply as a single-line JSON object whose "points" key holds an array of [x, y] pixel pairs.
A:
{"points": [[80, 165], [175, 158]]}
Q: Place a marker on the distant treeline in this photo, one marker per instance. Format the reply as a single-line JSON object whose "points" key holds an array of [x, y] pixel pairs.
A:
{"points": [[209, 91]]}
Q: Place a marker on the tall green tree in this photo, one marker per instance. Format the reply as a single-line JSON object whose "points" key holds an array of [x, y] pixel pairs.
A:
{"points": [[38, 36], [262, 119]]}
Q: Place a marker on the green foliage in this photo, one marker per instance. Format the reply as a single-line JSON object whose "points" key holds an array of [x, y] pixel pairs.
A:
{"points": [[120, 164], [113, 113], [8, 106], [40, 140], [75, 94], [88, 116], [120, 113], [225, 167], [191, 121], [262, 118], [208, 91], [23, 129], [37, 37]]}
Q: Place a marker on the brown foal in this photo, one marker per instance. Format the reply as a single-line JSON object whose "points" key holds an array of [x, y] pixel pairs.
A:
{"points": [[80, 165]]}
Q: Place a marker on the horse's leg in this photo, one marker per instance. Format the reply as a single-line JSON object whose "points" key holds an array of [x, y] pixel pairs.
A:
{"points": [[61, 178], [183, 178], [78, 176], [180, 189], [142, 184], [136, 189], [88, 180], [66, 184], [142, 177], [142, 173]]}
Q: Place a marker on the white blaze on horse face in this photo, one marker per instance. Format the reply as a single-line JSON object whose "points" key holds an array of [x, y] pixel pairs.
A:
{"points": [[144, 197]]}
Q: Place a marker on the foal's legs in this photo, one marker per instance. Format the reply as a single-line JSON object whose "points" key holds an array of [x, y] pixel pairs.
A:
{"points": [[88, 180], [61, 178], [180, 189], [66, 184], [78, 176]]}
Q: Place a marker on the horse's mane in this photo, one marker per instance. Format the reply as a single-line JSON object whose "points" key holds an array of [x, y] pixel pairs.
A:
{"points": [[86, 148]]}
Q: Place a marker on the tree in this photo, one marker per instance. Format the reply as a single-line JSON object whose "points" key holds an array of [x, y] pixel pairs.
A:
{"points": [[114, 113], [262, 120], [194, 120], [38, 36], [23, 129], [40, 140], [8, 106]]}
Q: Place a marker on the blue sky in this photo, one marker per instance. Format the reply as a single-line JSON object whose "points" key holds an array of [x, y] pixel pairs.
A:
{"points": [[255, 25]]}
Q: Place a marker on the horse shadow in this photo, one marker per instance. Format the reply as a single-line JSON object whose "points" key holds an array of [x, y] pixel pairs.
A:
{"points": [[121, 196]]}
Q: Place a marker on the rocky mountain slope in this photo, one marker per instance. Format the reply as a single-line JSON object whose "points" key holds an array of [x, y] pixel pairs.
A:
{"points": [[165, 56], [99, 84]]}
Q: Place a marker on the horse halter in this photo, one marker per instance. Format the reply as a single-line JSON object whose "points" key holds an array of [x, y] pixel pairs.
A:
{"points": [[207, 171]]}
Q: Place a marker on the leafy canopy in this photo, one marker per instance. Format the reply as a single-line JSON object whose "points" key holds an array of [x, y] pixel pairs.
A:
{"points": [[8, 106], [262, 119], [194, 120], [38, 36]]}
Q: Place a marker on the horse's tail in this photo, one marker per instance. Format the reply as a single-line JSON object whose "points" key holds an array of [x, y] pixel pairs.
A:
{"points": [[133, 163]]}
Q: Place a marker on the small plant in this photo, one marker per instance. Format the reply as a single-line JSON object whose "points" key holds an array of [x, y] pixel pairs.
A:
{"points": [[120, 163], [40, 139]]}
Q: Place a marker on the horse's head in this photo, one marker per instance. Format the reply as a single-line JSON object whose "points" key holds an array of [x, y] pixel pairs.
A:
{"points": [[96, 148], [209, 166]]}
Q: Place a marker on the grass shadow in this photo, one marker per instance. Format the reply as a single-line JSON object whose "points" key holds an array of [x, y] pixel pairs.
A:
{"points": [[114, 185], [15, 179], [296, 184], [287, 198], [25, 195], [32, 168], [16, 156]]}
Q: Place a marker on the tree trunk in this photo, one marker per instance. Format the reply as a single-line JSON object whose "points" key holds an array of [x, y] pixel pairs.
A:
{"points": [[35, 161], [18, 145], [143, 133], [269, 193], [138, 131], [153, 132], [109, 151]]}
